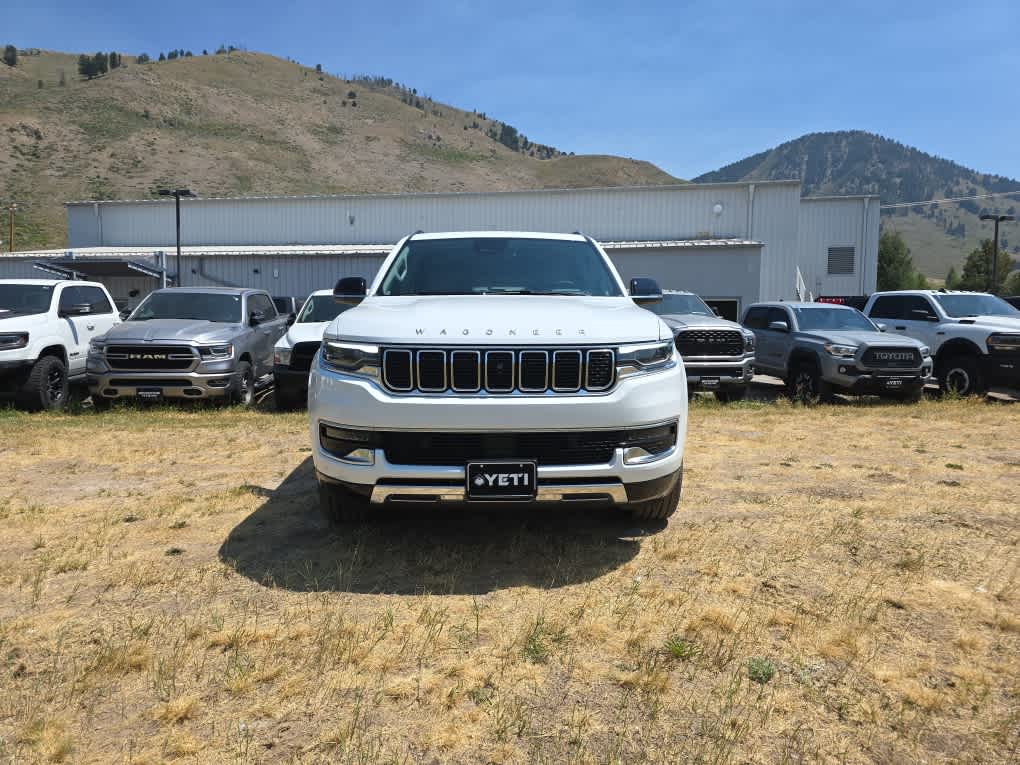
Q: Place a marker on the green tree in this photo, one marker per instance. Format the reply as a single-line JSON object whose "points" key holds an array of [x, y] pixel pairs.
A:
{"points": [[142, 58], [952, 279], [896, 269], [101, 63], [1012, 286], [978, 268], [10, 55], [172, 55], [86, 67], [162, 56]]}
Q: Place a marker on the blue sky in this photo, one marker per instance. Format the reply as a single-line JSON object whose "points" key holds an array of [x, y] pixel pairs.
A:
{"points": [[690, 86]]}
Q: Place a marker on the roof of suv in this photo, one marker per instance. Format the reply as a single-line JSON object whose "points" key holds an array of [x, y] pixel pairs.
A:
{"points": [[931, 292], [213, 290], [500, 234], [801, 304]]}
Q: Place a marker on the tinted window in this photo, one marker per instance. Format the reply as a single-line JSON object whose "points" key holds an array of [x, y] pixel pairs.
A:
{"points": [[959, 306], [887, 307], [777, 314], [259, 302], [912, 303], [756, 318], [181, 304], [811, 319], [96, 298], [680, 304], [321, 308], [70, 297], [24, 299], [495, 265]]}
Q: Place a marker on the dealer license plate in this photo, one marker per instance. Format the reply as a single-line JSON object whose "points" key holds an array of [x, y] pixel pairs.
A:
{"points": [[501, 480]]}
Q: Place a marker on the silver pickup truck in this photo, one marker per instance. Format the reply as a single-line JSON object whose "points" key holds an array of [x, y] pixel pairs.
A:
{"points": [[194, 342]]}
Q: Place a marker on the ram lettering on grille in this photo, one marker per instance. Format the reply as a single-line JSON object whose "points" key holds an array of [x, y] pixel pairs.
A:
{"points": [[472, 370]]}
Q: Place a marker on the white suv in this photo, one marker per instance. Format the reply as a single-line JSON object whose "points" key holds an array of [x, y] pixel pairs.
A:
{"points": [[45, 330], [497, 366]]}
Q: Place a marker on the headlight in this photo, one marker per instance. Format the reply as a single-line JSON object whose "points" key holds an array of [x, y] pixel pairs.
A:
{"points": [[281, 356], [643, 358], [749, 341], [224, 351], [12, 340], [925, 351], [351, 358], [841, 351], [999, 342]]}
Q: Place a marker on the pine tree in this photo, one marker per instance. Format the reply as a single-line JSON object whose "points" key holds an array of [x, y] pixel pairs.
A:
{"points": [[977, 269], [11, 55], [952, 279], [162, 57]]}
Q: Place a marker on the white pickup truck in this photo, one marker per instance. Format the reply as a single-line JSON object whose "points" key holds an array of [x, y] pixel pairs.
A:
{"points": [[974, 337], [45, 330], [497, 367]]}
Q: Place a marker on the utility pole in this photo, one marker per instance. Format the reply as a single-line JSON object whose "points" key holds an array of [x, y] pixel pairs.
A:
{"points": [[177, 194], [10, 210], [993, 279]]}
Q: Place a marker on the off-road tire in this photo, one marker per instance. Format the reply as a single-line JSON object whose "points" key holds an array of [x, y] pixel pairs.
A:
{"points": [[663, 507], [244, 385], [340, 505], [961, 375], [729, 396], [806, 386], [46, 386]]}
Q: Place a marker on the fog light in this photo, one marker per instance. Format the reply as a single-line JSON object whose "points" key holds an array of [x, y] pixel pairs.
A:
{"points": [[349, 445], [635, 455], [842, 370], [361, 456], [219, 383]]}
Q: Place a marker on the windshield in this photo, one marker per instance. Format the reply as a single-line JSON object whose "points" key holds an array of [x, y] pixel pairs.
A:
{"points": [[207, 306], [959, 306], [24, 299], [498, 265], [809, 319], [321, 308], [680, 304]]}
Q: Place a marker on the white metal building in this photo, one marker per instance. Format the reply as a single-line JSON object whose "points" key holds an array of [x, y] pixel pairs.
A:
{"points": [[732, 243]]}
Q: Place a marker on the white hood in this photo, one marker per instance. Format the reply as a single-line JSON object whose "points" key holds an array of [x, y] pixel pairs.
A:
{"points": [[499, 320], [309, 331], [993, 323]]}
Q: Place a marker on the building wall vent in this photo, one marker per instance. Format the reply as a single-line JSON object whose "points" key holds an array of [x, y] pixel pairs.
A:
{"points": [[841, 261]]}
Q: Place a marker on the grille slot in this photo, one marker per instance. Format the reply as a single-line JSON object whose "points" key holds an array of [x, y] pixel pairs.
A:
{"points": [[499, 371], [566, 370], [466, 370], [432, 371], [546, 448], [710, 342], [145, 357], [534, 370], [892, 358], [302, 354], [601, 369], [397, 372]]}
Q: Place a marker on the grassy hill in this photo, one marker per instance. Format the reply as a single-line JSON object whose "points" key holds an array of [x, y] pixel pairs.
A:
{"points": [[855, 162], [250, 123]]}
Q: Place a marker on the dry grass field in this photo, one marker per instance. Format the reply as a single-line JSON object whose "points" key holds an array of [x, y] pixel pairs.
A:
{"points": [[841, 584]]}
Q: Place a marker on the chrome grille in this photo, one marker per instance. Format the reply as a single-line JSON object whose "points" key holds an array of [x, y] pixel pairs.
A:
{"points": [[461, 370], [146, 357], [710, 342]]}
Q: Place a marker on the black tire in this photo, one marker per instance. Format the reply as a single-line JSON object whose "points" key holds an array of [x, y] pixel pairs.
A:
{"points": [[101, 403], [805, 385], [244, 385], [961, 375], [287, 401], [731, 395], [663, 507], [341, 505], [46, 387]]}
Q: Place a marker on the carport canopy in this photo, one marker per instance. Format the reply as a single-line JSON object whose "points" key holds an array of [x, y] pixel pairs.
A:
{"points": [[76, 268]]}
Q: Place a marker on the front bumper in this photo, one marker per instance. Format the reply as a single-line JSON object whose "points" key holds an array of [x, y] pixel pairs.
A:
{"points": [[352, 402], [718, 374], [167, 384], [12, 374], [1001, 369], [291, 382], [847, 375]]}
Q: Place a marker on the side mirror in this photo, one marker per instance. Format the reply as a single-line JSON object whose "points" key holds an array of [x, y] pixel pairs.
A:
{"points": [[124, 314], [644, 291], [256, 317], [291, 318], [779, 326], [79, 309], [881, 327], [715, 310], [350, 290]]}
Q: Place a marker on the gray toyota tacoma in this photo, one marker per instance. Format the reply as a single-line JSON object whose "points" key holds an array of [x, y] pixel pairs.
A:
{"points": [[820, 349], [718, 354], [188, 342]]}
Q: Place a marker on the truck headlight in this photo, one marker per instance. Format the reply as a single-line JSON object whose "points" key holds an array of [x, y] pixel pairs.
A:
{"points": [[1001, 342], [351, 358], [12, 340], [224, 351], [643, 358], [925, 351], [841, 351], [749, 341], [281, 356], [96, 347]]}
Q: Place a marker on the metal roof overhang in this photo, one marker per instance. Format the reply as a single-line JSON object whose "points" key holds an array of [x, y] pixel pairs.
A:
{"points": [[73, 268]]}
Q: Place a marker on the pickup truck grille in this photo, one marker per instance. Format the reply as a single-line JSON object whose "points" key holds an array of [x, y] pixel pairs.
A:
{"points": [[550, 448], [302, 354], [470, 370], [710, 342], [146, 357], [892, 358]]}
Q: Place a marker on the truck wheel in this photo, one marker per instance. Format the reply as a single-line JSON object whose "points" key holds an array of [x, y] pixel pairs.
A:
{"points": [[46, 386], [663, 507], [244, 392], [340, 505], [807, 386], [961, 375], [728, 396]]}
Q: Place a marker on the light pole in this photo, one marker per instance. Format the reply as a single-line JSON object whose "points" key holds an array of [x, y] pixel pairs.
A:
{"points": [[10, 210], [177, 194], [994, 279]]}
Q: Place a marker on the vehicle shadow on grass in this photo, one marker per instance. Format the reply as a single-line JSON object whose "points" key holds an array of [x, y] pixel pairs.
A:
{"points": [[417, 549]]}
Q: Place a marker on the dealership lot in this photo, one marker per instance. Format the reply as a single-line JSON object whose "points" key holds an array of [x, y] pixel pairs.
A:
{"points": [[840, 582]]}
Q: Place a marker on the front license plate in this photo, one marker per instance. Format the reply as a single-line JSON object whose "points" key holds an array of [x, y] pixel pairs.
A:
{"points": [[149, 393], [501, 480], [710, 382], [894, 383]]}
